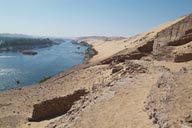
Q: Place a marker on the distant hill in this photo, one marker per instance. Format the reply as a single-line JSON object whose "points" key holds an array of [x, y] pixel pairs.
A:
{"points": [[18, 42], [15, 35], [101, 37]]}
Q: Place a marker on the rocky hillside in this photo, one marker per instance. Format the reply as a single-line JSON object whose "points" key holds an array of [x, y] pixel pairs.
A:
{"points": [[175, 41], [140, 82]]}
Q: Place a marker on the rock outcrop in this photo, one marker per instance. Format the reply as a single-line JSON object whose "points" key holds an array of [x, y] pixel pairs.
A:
{"points": [[147, 48], [183, 57], [29, 52], [122, 58], [176, 35]]}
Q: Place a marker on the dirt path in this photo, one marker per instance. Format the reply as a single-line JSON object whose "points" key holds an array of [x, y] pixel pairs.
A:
{"points": [[125, 109]]}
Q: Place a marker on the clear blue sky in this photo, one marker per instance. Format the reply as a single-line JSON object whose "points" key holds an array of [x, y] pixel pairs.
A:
{"points": [[73, 18]]}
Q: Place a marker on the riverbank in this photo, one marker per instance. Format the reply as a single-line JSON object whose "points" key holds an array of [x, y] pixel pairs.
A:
{"points": [[117, 88], [90, 51], [23, 43], [22, 70]]}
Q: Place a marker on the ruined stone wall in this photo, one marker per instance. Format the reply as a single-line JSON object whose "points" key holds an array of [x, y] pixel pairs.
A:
{"points": [[55, 107]]}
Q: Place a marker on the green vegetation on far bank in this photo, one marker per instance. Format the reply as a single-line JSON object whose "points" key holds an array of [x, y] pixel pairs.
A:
{"points": [[17, 44], [44, 79]]}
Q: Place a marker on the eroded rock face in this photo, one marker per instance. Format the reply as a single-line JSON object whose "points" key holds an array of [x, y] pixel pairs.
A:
{"points": [[183, 40], [147, 48], [55, 107], [162, 46], [122, 58], [177, 34], [183, 57]]}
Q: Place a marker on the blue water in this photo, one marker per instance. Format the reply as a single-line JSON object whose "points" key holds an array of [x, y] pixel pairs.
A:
{"points": [[31, 69]]}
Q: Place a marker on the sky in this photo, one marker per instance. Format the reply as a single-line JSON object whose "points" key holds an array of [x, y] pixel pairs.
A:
{"points": [[76, 18]]}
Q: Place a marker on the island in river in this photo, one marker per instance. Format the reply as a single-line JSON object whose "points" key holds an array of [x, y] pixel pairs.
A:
{"points": [[29, 52]]}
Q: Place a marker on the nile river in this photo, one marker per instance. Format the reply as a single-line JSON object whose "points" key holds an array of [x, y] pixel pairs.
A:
{"points": [[26, 69]]}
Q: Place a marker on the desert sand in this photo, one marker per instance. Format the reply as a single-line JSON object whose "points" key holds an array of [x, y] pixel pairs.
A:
{"points": [[131, 83], [109, 46]]}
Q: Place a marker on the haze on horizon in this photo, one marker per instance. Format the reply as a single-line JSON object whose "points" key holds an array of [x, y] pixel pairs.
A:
{"points": [[72, 18]]}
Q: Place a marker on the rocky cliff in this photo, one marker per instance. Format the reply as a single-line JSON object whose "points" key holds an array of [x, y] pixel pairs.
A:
{"points": [[178, 34]]}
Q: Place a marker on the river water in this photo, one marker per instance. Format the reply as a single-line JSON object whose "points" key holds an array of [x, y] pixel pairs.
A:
{"points": [[26, 69]]}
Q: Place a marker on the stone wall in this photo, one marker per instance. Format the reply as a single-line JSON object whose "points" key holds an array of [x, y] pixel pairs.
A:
{"points": [[55, 107]]}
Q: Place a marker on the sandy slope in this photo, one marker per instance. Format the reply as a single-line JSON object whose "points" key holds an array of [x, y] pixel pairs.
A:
{"points": [[21, 105], [109, 47], [117, 91]]}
